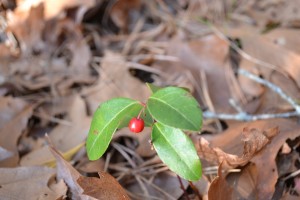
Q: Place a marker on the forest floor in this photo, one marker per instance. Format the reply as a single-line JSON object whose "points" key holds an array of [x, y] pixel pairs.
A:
{"points": [[59, 60]]}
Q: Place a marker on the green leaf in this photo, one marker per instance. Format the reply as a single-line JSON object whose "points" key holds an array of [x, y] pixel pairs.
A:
{"points": [[147, 118], [109, 116], [177, 151], [175, 107]]}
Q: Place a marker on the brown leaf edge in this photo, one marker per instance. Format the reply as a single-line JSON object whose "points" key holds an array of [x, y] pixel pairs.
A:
{"points": [[219, 188], [254, 141]]}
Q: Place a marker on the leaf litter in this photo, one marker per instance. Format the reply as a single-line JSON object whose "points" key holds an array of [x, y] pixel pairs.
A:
{"points": [[60, 60]]}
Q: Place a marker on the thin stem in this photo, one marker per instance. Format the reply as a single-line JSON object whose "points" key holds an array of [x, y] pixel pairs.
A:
{"points": [[142, 110], [195, 189], [183, 189]]}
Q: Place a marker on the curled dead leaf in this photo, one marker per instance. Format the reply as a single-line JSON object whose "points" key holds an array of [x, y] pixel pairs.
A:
{"points": [[87, 188], [254, 141]]}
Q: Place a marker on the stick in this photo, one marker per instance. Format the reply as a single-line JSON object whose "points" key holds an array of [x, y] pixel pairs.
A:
{"points": [[243, 116]]}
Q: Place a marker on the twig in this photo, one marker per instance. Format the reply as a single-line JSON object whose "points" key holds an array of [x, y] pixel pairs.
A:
{"points": [[207, 96], [235, 105], [124, 154], [52, 119], [142, 185], [158, 189], [144, 67], [247, 117], [295, 173], [243, 116], [272, 86], [128, 43], [159, 57]]}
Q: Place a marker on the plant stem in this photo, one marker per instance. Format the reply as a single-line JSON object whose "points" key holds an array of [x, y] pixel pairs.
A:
{"points": [[183, 189], [195, 189]]}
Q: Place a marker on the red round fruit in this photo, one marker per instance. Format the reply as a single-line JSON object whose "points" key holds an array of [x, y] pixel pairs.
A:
{"points": [[136, 125]]}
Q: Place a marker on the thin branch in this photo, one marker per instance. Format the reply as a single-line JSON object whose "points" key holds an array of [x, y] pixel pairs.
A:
{"points": [[243, 116], [295, 173], [248, 117], [158, 189], [272, 86]]}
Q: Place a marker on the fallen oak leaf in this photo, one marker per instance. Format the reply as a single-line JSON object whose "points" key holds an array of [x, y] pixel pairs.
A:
{"points": [[258, 179], [219, 188], [14, 117], [68, 173], [106, 187], [264, 174], [265, 162], [30, 183], [4, 154], [81, 187], [254, 141], [80, 122]]}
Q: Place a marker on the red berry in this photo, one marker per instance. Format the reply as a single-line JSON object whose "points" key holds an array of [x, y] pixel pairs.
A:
{"points": [[136, 125]]}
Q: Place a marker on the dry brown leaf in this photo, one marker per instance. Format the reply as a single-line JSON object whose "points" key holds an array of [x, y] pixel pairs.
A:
{"points": [[284, 37], [257, 181], [297, 184], [254, 141], [249, 86], [219, 188], [29, 183], [266, 11], [265, 163], [66, 172], [208, 55], [56, 8], [43, 70], [115, 81], [13, 121], [27, 23], [120, 12], [106, 187], [279, 68], [65, 137], [81, 187], [4, 154], [87, 166], [260, 48], [244, 183]]}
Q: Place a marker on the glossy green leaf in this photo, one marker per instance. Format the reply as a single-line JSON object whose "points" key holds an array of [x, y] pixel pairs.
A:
{"points": [[175, 107], [147, 118], [177, 151], [109, 116]]}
